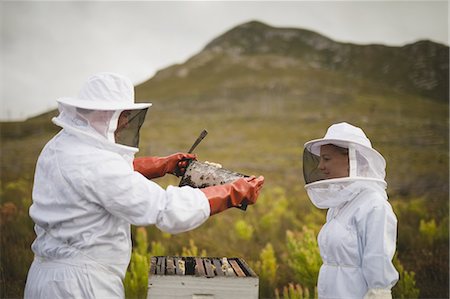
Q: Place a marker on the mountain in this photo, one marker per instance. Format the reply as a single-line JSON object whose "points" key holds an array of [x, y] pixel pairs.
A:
{"points": [[420, 68], [271, 89]]}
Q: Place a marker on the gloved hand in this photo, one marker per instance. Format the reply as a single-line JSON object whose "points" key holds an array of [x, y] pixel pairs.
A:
{"points": [[233, 194], [155, 167]]}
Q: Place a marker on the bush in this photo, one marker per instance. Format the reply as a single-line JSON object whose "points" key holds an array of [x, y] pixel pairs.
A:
{"points": [[296, 291], [267, 267], [406, 286], [192, 250], [244, 231], [136, 279], [16, 237], [304, 257]]}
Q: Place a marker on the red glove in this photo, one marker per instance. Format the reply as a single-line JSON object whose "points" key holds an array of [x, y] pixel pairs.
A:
{"points": [[155, 167], [225, 196]]}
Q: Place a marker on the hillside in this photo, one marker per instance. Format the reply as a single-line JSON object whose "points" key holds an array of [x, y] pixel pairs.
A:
{"points": [[262, 92], [419, 68]]}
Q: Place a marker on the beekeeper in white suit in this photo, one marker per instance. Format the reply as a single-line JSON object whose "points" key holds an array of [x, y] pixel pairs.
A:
{"points": [[345, 175], [87, 193]]}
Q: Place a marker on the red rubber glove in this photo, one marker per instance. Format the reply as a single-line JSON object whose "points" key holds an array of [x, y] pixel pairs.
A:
{"points": [[233, 194], [155, 167]]}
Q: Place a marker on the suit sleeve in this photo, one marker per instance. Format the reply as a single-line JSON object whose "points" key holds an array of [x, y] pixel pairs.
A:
{"points": [[378, 231], [127, 194]]}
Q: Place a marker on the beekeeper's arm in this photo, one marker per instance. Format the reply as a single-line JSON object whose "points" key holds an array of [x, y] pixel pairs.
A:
{"points": [[378, 231], [220, 197], [113, 184]]}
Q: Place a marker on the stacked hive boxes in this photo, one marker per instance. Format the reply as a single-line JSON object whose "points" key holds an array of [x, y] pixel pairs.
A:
{"points": [[201, 277]]}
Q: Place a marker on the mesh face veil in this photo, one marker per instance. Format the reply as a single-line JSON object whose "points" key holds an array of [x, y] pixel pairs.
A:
{"points": [[129, 123], [120, 126], [364, 163]]}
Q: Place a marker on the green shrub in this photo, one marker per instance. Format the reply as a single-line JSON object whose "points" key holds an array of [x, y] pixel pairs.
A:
{"points": [[244, 231], [406, 286], [136, 279], [192, 250], [296, 291], [157, 249], [16, 237], [304, 257], [267, 268]]}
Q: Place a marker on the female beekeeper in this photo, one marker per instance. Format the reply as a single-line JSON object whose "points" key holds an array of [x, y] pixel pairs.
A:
{"points": [[86, 194], [345, 175]]}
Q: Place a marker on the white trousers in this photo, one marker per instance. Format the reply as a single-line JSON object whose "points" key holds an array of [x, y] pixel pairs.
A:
{"points": [[71, 279]]}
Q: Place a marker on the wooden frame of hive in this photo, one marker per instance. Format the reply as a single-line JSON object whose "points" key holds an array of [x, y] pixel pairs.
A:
{"points": [[201, 277]]}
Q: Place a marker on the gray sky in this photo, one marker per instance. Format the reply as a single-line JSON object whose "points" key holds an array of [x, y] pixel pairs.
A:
{"points": [[48, 49]]}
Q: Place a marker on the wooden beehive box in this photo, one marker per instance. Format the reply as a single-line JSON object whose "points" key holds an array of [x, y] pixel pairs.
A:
{"points": [[201, 277]]}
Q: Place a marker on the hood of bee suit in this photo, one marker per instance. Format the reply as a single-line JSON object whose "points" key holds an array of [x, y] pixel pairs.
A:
{"points": [[366, 167], [104, 109]]}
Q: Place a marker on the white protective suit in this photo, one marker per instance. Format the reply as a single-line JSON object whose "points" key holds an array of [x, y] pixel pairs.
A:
{"points": [[358, 241], [86, 194]]}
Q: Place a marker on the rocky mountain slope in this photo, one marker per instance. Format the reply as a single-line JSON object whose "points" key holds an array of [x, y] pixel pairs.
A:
{"points": [[419, 68]]}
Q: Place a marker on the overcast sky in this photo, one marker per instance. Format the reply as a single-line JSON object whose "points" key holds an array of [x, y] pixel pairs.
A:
{"points": [[48, 49]]}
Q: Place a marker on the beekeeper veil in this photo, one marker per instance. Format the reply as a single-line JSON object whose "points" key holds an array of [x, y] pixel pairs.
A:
{"points": [[366, 167], [104, 109]]}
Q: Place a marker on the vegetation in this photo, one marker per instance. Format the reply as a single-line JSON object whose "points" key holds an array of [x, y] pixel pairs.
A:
{"points": [[259, 109], [304, 258]]}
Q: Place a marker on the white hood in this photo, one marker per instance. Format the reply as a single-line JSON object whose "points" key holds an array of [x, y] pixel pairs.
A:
{"points": [[96, 110], [105, 91], [366, 167]]}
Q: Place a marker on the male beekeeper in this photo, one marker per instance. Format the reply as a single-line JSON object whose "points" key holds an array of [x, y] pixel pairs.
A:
{"points": [[87, 193], [345, 175]]}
